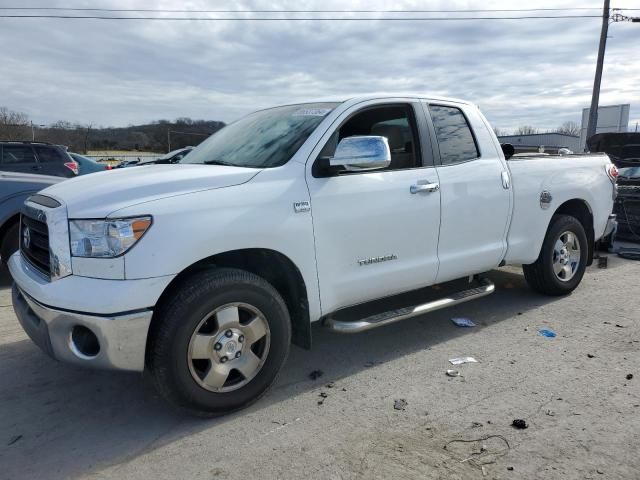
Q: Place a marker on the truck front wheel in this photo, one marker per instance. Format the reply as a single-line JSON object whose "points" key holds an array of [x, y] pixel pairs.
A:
{"points": [[219, 342], [562, 260]]}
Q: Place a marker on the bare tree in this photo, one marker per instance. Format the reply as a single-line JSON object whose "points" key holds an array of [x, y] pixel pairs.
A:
{"points": [[498, 132], [527, 130], [14, 125], [569, 128]]}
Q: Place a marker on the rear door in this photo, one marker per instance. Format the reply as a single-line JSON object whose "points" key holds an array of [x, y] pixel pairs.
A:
{"points": [[474, 188], [374, 237], [18, 158]]}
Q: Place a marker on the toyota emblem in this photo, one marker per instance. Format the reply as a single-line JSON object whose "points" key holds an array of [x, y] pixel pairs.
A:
{"points": [[26, 237]]}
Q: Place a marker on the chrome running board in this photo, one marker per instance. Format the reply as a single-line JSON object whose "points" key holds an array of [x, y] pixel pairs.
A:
{"points": [[385, 318]]}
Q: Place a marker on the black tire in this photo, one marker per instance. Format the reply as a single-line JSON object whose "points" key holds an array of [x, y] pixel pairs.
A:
{"points": [[540, 275], [9, 243], [179, 317]]}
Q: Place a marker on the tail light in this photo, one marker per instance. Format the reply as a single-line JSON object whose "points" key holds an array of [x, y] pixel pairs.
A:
{"points": [[612, 173], [108, 167], [73, 166]]}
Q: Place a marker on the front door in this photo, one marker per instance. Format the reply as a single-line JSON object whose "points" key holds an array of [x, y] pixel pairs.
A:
{"points": [[374, 237]]}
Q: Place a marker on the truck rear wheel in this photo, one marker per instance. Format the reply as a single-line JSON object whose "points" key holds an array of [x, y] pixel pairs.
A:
{"points": [[563, 258], [218, 344]]}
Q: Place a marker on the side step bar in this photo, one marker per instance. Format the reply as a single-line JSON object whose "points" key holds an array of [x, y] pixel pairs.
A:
{"points": [[486, 287]]}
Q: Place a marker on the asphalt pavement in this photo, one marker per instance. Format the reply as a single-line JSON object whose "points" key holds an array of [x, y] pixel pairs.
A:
{"points": [[382, 407]]}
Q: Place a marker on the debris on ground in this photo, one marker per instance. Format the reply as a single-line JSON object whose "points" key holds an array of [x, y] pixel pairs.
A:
{"points": [[453, 373], [476, 425], [602, 261], [551, 413], [14, 440], [330, 385], [519, 423], [620, 326], [591, 355], [323, 397], [400, 404], [510, 469], [316, 374], [479, 452], [463, 322], [545, 332], [461, 360], [629, 376]]}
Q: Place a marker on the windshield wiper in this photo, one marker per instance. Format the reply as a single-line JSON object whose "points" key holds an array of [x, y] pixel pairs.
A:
{"points": [[219, 162]]}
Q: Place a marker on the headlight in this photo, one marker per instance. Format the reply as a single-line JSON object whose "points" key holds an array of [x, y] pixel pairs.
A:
{"points": [[106, 238]]}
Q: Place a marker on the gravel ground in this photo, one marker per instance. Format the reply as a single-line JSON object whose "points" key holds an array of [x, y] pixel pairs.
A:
{"points": [[582, 412]]}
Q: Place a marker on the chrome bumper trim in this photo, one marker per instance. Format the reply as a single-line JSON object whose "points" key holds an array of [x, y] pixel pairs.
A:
{"points": [[122, 338], [612, 223]]}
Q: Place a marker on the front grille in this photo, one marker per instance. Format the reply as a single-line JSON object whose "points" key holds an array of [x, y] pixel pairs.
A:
{"points": [[34, 243]]}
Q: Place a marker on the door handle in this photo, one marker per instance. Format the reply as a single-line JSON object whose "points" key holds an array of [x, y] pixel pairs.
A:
{"points": [[424, 187], [506, 182]]}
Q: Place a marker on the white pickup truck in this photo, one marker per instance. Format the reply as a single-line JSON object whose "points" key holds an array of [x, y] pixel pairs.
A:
{"points": [[204, 272]]}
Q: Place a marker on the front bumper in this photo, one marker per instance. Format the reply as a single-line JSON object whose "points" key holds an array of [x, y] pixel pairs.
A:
{"points": [[121, 338], [54, 314]]}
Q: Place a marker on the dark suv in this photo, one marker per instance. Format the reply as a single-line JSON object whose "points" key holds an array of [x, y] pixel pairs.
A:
{"points": [[34, 157]]}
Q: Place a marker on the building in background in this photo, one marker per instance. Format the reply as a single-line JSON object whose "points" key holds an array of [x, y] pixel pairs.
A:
{"points": [[611, 118], [551, 142]]}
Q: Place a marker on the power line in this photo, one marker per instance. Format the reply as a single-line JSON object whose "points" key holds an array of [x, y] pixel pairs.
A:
{"points": [[267, 19], [161, 10]]}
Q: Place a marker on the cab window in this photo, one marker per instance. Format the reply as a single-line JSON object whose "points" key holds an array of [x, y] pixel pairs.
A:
{"points": [[395, 122], [454, 135]]}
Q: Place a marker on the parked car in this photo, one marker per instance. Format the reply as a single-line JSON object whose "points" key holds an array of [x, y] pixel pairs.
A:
{"points": [[627, 204], [172, 157], [623, 148], [293, 215], [624, 151], [15, 188], [36, 157], [88, 165], [128, 163]]}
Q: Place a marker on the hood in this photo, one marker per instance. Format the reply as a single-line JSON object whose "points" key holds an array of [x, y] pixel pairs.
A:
{"points": [[99, 194]]}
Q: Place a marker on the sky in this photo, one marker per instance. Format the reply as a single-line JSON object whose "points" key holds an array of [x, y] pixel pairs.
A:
{"points": [[115, 73]]}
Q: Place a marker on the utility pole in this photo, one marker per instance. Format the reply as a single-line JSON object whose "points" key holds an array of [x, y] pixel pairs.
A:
{"points": [[168, 139], [595, 97], [33, 133]]}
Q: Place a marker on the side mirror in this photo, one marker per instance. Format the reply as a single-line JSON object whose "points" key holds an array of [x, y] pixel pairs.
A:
{"points": [[508, 150], [362, 153]]}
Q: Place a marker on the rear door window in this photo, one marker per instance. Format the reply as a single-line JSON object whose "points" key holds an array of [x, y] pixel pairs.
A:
{"points": [[18, 155], [455, 138], [49, 154]]}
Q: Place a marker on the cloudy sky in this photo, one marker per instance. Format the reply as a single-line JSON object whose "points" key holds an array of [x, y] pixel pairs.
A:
{"points": [[114, 73]]}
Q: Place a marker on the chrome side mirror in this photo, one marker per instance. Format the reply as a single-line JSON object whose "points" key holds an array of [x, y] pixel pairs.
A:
{"points": [[362, 153]]}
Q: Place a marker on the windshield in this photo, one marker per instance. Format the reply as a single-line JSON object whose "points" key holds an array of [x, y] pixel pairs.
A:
{"points": [[268, 138], [629, 172]]}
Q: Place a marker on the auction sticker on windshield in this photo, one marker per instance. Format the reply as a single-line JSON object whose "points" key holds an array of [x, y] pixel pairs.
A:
{"points": [[311, 112]]}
